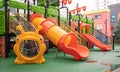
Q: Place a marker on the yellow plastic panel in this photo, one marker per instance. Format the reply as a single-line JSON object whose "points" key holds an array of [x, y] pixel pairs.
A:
{"points": [[37, 21], [55, 33]]}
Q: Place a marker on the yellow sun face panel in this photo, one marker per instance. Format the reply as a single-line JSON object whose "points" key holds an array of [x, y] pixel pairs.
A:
{"points": [[29, 47]]}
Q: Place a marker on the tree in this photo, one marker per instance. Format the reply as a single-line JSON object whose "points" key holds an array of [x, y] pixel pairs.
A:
{"points": [[116, 32]]}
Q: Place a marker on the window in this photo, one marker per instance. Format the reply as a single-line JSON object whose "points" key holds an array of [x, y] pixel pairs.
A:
{"points": [[113, 17], [98, 16], [99, 26]]}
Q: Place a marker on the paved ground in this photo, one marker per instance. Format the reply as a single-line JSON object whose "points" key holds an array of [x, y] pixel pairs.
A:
{"points": [[97, 62]]}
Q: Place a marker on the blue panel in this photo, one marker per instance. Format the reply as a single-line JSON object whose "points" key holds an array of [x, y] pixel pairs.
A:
{"points": [[113, 18]]}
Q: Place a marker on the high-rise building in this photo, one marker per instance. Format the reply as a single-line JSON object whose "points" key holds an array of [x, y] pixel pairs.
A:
{"points": [[103, 4]]}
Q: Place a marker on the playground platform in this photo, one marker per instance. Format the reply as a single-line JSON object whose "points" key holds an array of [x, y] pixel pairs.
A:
{"points": [[97, 62]]}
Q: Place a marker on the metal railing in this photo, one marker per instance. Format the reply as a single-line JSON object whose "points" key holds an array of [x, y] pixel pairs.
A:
{"points": [[102, 37], [80, 39]]}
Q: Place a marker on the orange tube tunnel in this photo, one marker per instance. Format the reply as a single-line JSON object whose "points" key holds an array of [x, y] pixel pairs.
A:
{"points": [[67, 42]]}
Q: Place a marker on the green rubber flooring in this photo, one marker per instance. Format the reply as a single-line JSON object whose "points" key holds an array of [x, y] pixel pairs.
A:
{"points": [[97, 62]]}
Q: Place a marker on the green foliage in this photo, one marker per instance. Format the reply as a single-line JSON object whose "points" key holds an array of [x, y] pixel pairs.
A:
{"points": [[16, 4], [1, 3], [55, 4], [52, 11], [37, 9], [11, 17], [41, 2], [63, 19], [116, 31]]}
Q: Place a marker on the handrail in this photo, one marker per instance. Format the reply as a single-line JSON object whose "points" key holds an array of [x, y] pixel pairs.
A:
{"points": [[67, 28]]}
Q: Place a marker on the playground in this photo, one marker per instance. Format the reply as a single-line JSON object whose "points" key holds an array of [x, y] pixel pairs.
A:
{"points": [[42, 38]]}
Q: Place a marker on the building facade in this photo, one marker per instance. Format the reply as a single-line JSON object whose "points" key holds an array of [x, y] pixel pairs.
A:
{"points": [[103, 4], [101, 20], [114, 14]]}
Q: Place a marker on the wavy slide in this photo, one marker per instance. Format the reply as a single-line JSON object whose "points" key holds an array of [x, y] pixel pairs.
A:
{"points": [[66, 42], [96, 42]]}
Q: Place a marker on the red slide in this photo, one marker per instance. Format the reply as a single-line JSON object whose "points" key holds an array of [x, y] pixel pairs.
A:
{"points": [[96, 42], [73, 48]]}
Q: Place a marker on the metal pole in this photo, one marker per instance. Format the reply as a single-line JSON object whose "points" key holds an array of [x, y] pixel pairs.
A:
{"points": [[69, 19], [106, 30], [79, 21], [86, 23], [113, 36], [6, 28], [77, 8], [45, 14], [25, 10], [58, 14], [17, 10], [17, 13], [58, 17], [33, 2], [47, 3], [67, 13], [62, 3], [28, 10], [93, 30], [93, 27]]}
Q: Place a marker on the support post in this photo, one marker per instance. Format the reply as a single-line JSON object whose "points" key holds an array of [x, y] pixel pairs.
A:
{"points": [[25, 10], [45, 14], [17, 13], [106, 31], [47, 3], [93, 27], [58, 17], [6, 28], [86, 23], [79, 20], [113, 36], [93, 30], [69, 19], [79, 24], [28, 10], [33, 2]]}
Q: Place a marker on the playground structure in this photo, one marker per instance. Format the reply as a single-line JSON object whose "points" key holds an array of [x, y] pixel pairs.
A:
{"points": [[29, 46], [93, 40], [66, 42]]}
